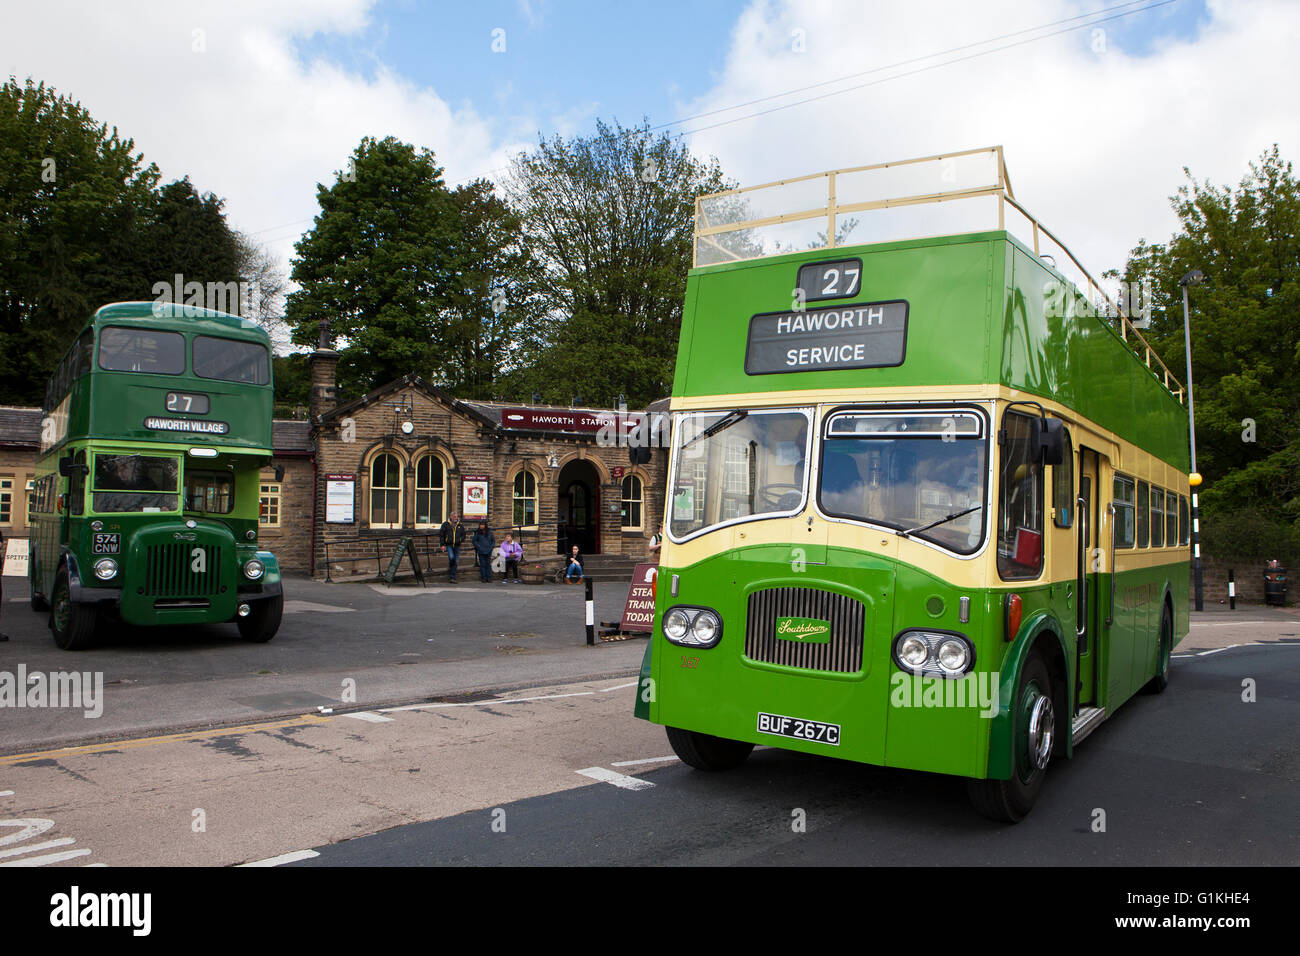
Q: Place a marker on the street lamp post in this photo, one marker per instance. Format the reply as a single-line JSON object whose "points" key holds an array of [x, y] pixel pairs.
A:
{"points": [[1195, 277]]}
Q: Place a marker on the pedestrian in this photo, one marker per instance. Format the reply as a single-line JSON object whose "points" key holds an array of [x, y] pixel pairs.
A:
{"points": [[511, 553], [573, 574], [484, 542], [3, 636], [656, 542], [452, 536]]}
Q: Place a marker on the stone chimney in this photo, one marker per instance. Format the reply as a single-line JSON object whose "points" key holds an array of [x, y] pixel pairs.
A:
{"points": [[323, 363]]}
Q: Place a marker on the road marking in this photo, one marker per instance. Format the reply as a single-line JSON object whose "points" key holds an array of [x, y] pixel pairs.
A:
{"points": [[9, 761], [633, 763], [606, 690], [48, 858], [6, 793], [45, 845], [292, 607], [617, 779], [1231, 623], [485, 703], [369, 717], [284, 858], [1215, 650]]}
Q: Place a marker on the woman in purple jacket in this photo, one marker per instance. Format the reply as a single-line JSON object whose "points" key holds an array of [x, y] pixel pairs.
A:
{"points": [[511, 553]]}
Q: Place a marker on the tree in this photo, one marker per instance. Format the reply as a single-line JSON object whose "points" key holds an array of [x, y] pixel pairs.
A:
{"points": [[267, 286], [405, 271], [71, 196], [609, 219], [1245, 329]]}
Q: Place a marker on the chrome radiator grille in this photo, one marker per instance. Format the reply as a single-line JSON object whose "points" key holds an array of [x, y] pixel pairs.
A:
{"points": [[168, 571], [847, 617]]}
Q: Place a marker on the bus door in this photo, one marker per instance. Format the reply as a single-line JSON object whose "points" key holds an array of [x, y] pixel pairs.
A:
{"points": [[1091, 562]]}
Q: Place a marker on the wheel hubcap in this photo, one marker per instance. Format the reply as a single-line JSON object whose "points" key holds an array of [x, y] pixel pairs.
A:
{"points": [[1041, 733]]}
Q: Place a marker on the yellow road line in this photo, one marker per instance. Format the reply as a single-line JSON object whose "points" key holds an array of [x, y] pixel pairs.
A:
{"points": [[305, 720]]}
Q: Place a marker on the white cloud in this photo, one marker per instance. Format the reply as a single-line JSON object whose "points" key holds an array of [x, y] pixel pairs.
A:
{"points": [[245, 118], [1095, 141]]}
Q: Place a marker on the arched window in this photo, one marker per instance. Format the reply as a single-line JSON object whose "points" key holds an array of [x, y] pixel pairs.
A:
{"points": [[385, 492], [430, 492], [633, 494], [525, 500]]}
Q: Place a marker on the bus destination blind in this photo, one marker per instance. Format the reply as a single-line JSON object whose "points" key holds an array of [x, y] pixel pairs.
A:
{"points": [[864, 335]]}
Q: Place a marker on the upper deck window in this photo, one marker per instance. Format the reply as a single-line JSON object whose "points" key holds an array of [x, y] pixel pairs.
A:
{"points": [[141, 350], [907, 471], [231, 360], [735, 465]]}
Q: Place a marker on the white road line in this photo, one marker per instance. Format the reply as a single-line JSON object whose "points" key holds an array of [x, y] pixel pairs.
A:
{"points": [[617, 779], [369, 717], [485, 703], [284, 858], [1232, 623], [48, 858], [633, 763], [606, 690], [6, 793], [1217, 649], [45, 845]]}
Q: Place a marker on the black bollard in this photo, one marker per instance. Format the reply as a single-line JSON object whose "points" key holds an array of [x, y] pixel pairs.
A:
{"points": [[591, 615]]}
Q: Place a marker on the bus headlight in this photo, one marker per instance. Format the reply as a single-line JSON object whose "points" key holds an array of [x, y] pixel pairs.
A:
{"points": [[934, 653], [692, 626], [105, 569], [253, 569]]}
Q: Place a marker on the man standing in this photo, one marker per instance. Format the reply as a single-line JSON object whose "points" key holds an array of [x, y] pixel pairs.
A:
{"points": [[452, 535]]}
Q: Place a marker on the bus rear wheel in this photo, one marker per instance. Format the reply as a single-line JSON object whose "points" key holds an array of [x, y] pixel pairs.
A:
{"points": [[1034, 741], [1161, 679], [72, 624], [704, 752], [263, 620]]}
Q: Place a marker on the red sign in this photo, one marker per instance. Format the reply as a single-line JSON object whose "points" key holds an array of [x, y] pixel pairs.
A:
{"points": [[562, 420], [616, 473], [639, 612]]}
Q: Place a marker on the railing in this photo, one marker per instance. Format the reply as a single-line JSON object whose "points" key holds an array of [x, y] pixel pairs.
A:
{"points": [[428, 545], [788, 215]]}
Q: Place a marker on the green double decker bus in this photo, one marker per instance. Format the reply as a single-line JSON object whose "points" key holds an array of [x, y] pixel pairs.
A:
{"points": [[154, 430], [927, 497]]}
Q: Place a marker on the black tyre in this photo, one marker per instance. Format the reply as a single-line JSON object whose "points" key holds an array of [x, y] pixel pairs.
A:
{"points": [[1033, 742], [1160, 681], [707, 753], [263, 620], [73, 625]]}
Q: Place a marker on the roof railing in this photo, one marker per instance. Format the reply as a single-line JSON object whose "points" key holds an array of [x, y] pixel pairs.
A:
{"points": [[776, 218]]}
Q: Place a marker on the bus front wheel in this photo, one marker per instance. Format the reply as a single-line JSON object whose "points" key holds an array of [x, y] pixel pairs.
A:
{"points": [[263, 620], [72, 624], [704, 752], [1009, 801]]}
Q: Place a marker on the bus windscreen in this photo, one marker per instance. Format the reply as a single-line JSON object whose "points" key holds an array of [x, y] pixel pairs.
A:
{"points": [[141, 350], [124, 483]]}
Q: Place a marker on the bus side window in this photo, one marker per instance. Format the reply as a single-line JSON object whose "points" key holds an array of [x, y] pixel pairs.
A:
{"points": [[1063, 486], [77, 485], [1143, 503], [1124, 517], [1020, 501]]}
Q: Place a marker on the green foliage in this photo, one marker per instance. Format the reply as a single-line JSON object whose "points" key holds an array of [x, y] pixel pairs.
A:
{"points": [[1245, 331], [609, 219], [82, 223], [292, 377], [405, 272]]}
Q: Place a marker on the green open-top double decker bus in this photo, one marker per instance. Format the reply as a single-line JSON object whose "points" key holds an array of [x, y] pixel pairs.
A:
{"points": [[155, 427], [927, 505]]}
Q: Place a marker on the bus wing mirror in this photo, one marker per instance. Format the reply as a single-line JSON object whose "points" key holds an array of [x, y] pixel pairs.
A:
{"points": [[279, 472], [639, 454], [67, 468], [1051, 441]]}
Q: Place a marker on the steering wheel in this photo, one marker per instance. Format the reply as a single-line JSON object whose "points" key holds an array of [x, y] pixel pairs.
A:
{"points": [[780, 497]]}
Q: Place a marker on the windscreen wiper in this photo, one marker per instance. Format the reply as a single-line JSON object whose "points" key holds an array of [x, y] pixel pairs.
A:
{"points": [[725, 421], [935, 524]]}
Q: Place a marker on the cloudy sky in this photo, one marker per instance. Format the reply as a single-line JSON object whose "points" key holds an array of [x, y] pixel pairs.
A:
{"points": [[1099, 103]]}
